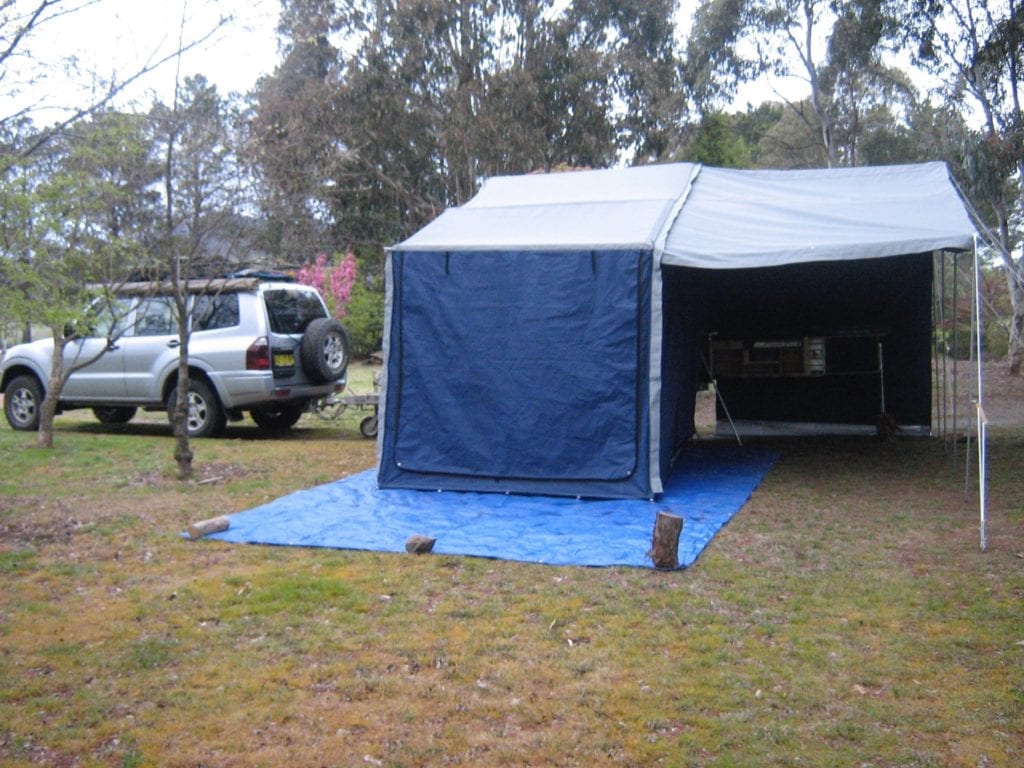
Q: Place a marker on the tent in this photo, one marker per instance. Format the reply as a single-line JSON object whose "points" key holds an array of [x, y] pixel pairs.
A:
{"points": [[549, 336]]}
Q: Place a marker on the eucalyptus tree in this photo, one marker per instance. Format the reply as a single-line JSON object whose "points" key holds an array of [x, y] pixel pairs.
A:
{"points": [[975, 50], [295, 143], [385, 112], [835, 47]]}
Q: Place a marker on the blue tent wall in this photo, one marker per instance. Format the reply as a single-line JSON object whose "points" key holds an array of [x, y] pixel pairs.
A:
{"points": [[519, 371], [683, 333]]}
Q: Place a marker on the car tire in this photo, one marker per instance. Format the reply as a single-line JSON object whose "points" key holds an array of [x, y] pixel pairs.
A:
{"points": [[114, 414], [205, 417], [324, 350], [277, 417], [23, 399]]}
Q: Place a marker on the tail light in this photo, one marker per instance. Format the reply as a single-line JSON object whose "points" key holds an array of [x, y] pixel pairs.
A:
{"points": [[257, 356]]}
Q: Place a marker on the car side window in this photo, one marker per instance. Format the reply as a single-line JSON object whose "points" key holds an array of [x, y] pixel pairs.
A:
{"points": [[107, 318], [154, 317], [211, 312]]}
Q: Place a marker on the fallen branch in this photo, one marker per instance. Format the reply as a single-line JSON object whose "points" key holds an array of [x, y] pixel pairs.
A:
{"points": [[205, 527]]}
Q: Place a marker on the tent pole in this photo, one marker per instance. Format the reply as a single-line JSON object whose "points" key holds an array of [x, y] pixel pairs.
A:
{"points": [[938, 291], [718, 394], [934, 370], [982, 419], [881, 377], [956, 313], [970, 385], [942, 349]]}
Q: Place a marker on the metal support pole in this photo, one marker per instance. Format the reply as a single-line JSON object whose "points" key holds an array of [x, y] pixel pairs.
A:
{"points": [[982, 419], [970, 379], [718, 394], [944, 352], [956, 351]]}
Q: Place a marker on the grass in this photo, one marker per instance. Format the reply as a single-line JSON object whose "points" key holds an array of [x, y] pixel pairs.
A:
{"points": [[845, 617]]}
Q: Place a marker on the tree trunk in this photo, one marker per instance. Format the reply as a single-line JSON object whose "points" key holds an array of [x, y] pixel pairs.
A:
{"points": [[48, 408], [182, 449], [1015, 283], [1015, 279], [665, 542]]}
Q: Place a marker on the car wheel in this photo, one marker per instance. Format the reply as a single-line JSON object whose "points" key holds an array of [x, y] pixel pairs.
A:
{"points": [[205, 417], [324, 350], [275, 418], [114, 414], [22, 400]]}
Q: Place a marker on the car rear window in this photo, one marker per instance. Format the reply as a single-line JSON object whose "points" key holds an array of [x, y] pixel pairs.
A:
{"points": [[215, 311], [291, 310]]}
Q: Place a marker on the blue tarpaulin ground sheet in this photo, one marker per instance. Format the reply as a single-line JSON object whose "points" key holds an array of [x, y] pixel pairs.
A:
{"points": [[709, 485]]}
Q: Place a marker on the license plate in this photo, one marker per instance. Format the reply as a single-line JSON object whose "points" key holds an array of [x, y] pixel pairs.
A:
{"points": [[284, 359]]}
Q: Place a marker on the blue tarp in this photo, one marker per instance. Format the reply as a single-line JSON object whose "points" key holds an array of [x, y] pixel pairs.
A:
{"points": [[710, 484]]}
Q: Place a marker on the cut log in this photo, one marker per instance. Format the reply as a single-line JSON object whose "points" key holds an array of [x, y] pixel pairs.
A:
{"points": [[665, 541], [205, 527]]}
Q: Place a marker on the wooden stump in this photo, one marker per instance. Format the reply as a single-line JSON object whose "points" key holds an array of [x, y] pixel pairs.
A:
{"points": [[665, 541]]}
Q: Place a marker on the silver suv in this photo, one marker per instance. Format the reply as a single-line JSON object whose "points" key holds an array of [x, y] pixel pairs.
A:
{"points": [[266, 347]]}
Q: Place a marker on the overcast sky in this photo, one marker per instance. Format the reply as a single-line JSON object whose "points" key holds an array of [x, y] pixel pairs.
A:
{"points": [[117, 38]]}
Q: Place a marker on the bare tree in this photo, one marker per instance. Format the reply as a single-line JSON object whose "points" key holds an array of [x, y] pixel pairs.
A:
{"points": [[202, 192], [21, 21]]}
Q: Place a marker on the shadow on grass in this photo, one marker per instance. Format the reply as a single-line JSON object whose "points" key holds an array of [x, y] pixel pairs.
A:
{"points": [[234, 431]]}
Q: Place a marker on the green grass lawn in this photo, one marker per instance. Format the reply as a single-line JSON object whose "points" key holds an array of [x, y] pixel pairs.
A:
{"points": [[845, 617]]}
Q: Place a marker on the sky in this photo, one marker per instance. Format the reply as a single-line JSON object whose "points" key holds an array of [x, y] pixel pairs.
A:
{"points": [[118, 37]]}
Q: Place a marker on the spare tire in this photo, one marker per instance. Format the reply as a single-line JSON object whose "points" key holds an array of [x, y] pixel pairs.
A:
{"points": [[324, 350]]}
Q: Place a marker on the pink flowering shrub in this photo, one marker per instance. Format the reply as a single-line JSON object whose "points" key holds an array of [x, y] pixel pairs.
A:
{"points": [[334, 283]]}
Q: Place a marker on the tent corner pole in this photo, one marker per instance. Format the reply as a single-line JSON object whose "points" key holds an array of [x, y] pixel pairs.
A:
{"points": [[982, 419], [956, 307]]}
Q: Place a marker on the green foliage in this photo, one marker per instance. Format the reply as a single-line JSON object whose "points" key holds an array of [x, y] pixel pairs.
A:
{"points": [[436, 96], [73, 216], [753, 124], [718, 143], [364, 320]]}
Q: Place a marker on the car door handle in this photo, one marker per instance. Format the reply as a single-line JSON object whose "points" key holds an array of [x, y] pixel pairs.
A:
{"points": [[112, 347], [173, 343]]}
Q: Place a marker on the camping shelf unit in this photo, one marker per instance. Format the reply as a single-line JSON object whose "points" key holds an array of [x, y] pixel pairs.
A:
{"points": [[854, 353]]}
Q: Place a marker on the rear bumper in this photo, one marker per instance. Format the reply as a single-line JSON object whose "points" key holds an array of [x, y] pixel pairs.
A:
{"points": [[248, 388]]}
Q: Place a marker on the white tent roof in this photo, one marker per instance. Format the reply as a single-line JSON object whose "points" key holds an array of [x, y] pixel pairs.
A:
{"points": [[735, 219], [711, 217], [614, 208]]}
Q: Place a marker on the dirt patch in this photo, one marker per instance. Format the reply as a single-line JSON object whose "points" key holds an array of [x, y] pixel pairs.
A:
{"points": [[54, 522], [1003, 395], [209, 473]]}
